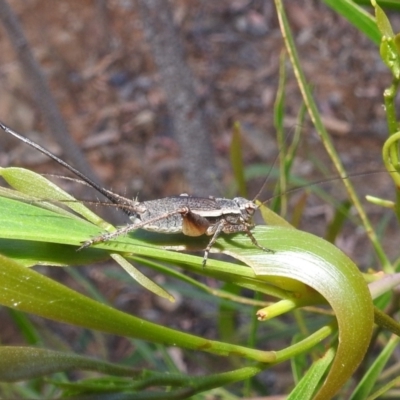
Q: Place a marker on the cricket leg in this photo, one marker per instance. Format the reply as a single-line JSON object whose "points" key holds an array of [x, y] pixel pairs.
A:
{"points": [[215, 232], [226, 227], [254, 241], [229, 229], [194, 224], [130, 227]]}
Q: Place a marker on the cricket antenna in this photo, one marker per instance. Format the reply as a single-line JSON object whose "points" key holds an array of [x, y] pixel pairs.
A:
{"points": [[270, 170], [110, 196], [327, 180]]}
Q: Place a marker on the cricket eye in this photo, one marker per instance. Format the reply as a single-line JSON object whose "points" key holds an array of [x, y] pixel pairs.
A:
{"points": [[140, 208], [250, 208]]}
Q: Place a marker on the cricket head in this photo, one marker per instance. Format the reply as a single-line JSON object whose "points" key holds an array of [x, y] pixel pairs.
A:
{"points": [[247, 208], [138, 206], [137, 209]]}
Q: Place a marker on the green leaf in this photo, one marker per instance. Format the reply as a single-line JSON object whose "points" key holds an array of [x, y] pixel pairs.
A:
{"points": [[382, 21], [358, 17], [370, 378], [26, 290], [271, 218], [306, 387], [237, 159], [141, 278], [40, 189], [390, 4]]}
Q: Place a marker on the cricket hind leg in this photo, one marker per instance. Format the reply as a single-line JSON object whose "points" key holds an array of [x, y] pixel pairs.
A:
{"points": [[128, 228], [194, 224]]}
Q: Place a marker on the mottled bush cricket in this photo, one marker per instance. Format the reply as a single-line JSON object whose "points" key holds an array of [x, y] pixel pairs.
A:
{"points": [[190, 215]]}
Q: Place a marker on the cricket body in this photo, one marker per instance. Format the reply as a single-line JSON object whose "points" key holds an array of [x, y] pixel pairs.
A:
{"points": [[190, 215]]}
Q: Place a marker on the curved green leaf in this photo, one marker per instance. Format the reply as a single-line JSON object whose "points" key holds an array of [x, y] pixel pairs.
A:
{"points": [[302, 257]]}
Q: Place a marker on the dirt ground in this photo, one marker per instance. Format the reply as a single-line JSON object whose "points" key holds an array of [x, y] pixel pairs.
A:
{"points": [[103, 78]]}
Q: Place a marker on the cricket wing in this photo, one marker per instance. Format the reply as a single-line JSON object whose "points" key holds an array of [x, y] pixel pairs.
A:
{"points": [[206, 207], [178, 214]]}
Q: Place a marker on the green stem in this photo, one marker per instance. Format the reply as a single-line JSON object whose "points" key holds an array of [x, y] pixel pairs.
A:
{"points": [[278, 123], [389, 96], [306, 344], [390, 158], [315, 117]]}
